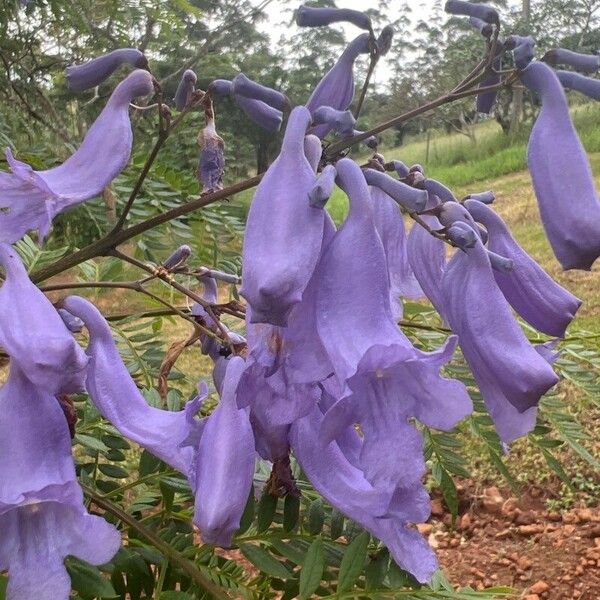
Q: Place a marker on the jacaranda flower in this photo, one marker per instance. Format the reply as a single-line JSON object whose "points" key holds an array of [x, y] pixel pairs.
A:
{"points": [[224, 464], [34, 335], [336, 88], [31, 199], [42, 515], [482, 26], [529, 289], [590, 86], [586, 63], [561, 174], [412, 199], [473, 9], [185, 89], [522, 49], [511, 374], [383, 380], [341, 121], [384, 41], [243, 86], [284, 233], [93, 72], [309, 16], [323, 189]]}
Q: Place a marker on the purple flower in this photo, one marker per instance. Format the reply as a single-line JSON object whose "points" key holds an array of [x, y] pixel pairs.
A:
{"points": [[473, 9], [586, 63], [313, 151], [484, 103], [485, 197], [344, 486], [510, 373], [561, 173], [220, 87], [243, 86], [323, 188], [212, 160], [33, 334], [336, 88], [529, 289], [31, 199], [522, 49], [224, 467], [482, 26], [412, 199], [585, 85], [42, 515], [284, 233], [309, 16], [178, 258], [93, 72], [166, 434], [390, 227], [262, 114], [341, 121], [383, 380], [185, 89], [384, 41]]}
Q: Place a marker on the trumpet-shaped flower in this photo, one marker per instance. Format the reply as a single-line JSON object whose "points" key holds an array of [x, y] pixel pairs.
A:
{"points": [[511, 374], [31, 199], [93, 72], [529, 289], [42, 515], [336, 88], [284, 233], [561, 174], [33, 333]]}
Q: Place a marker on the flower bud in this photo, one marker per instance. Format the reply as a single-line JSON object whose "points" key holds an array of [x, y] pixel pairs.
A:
{"points": [[220, 87], [384, 41], [586, 63], [409, 198], [522, 49], [243, 86], [262, 114], [308, 16], [212, 160], [185, 89], [178, 258], [462, 237], [482, 26], [323, 189], [484, 197], [341, 122], [473, 9], [93, 72], [585, 85], [73, 324]]}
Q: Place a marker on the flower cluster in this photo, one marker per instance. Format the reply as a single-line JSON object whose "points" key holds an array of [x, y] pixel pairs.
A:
{"points": [[325, 374]]}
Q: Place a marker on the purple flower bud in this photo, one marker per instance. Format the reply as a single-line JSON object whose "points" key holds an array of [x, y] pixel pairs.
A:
{"points": [[462, 237], [341, 122], [336, 88], [33, 334], [438, 189], [484, 197], [401, 169], [242, 86], [220, 87], [409, 198], [371, 142], [522, 49], [93, 72], [185, 89], [530, 290], [574, 81], [283, 233], [323, 189], [31, 199], [308, 16], [73, 324], [225, 467], [384, 41], [262, 114], [473, 9], [586, 63], [212, 159], [216, 274], [482, 26], [43, 518], [178, 258], [560, 169], [484, 103], [450, 213]]}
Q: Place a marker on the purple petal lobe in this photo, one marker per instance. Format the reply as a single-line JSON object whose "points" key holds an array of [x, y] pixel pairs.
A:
{"points": [[93, 72], [530, 290], [522, 49], [341, 121], [313, 151], [243, 86], [185, 89], [308, 16], [160, 431], [31, 199], [586, 63], [225, 464], [284, 233], [336, 88], [408, 197], [561, 173], [323, 189], [34, 335]]}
